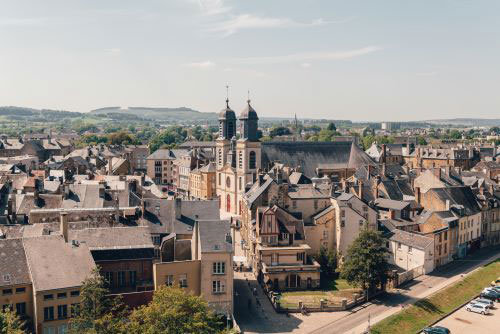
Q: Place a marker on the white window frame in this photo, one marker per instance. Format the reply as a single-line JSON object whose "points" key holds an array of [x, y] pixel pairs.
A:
{"points": [[218, 286], [219, 268]]}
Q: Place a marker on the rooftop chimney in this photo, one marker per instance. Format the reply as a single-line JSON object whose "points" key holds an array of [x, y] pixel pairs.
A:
{"points": [[178, 208], [64, 228], [384, 153], [418, 195], [447, 203], [360, 189], [437, 172], [110, 166]]}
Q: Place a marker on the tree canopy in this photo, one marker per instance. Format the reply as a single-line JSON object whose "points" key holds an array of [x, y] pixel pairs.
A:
{"points": [[98, 312], [10, 323], [174, 311], [366, 263]]}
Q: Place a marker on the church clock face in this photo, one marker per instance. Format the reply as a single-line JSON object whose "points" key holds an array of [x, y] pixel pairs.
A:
{"points": [[228, 182]]}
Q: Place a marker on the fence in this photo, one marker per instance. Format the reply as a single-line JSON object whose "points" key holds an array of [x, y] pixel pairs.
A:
{"points": [[322, 306], [409, 275]]}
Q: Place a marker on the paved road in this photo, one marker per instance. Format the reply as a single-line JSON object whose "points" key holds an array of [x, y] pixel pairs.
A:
{"points": [[389, 303]]}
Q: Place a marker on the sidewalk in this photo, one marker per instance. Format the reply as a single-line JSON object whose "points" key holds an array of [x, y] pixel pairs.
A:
{"points": [[362, 327]]}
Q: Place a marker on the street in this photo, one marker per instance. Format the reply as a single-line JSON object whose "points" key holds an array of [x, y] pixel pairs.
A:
{"points": [[265, 320]]}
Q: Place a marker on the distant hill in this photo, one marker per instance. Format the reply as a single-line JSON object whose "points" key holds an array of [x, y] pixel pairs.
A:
{"points": [[36, 115], [161, 114], [467, 121]]}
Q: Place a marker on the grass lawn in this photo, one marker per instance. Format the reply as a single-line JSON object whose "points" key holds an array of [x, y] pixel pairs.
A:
{"points": [[333, 291], [428, 310]]}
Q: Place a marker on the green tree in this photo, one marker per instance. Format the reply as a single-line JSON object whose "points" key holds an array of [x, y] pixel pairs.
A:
{"points": [[10, 323], [331, 127], [98, 312], [279, 131], [421, 140], [121, 138], [366, 263], [328, 261], [174, 311]]}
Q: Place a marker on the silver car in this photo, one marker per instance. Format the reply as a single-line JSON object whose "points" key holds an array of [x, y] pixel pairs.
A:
{"points": [[478, 308], [484, 301]]}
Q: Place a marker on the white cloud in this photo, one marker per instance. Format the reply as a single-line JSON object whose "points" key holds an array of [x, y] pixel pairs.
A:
{"points": [[203, 65], [305, 65], [306, 57], [212, 7], [250, 21]]}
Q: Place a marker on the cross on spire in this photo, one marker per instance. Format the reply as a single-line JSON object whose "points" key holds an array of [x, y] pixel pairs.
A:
{"points": [[248, 96], [227, 96]]}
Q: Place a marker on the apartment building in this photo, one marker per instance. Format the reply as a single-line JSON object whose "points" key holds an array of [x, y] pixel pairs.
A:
{"points": [[16, 292], [203, 265], [462, 202], [57, 270], [202, 182]]}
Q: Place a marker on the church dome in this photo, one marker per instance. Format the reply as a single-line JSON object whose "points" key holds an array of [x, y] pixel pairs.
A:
{"points": [[227, 113], [248, 112]]}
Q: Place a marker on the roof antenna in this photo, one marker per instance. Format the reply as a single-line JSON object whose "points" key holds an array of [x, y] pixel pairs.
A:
{"points": [[227, 95]]}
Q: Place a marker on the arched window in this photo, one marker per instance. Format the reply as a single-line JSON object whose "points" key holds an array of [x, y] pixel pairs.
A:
{"points": [[251, 160], [228, 182], [228, 203]]}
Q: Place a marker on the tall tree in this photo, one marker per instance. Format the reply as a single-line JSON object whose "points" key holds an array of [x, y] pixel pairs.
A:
{"points": [[10, 323], [331, 127], [366, 263], [174, 311], [328, 261], [98, 312]]}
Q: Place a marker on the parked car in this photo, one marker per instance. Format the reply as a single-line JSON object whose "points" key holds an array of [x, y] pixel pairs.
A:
{"points": [[491, 295], [436, 330], [478, 308], [496, 288], [490, 289], [484, 301]]}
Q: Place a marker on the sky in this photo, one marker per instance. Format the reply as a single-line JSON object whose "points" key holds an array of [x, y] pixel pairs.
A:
{"points": [[371, 60]]}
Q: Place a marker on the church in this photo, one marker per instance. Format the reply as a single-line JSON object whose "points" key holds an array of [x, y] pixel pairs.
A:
{"points": [[237, 160]]}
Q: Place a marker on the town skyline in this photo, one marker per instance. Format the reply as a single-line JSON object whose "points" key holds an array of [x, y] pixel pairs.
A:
{"points": [[319, 59]]}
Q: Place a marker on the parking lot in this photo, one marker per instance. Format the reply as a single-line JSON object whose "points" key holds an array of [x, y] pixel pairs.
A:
{"points": [[462, 321]]}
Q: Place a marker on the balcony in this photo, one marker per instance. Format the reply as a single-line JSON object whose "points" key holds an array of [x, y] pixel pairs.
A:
{"points": [[310, 266]]}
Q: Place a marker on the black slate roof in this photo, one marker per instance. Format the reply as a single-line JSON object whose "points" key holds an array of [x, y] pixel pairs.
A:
{"points": [[312, 155]]}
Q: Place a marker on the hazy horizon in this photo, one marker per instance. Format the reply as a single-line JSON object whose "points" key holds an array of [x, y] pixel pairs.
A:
{"points": [[361, 61]]}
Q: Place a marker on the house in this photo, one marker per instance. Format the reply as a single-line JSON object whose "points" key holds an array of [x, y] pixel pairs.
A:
{"points": [[204, 267], [160, 166], [202, 182], [442, 226], [409, 250], [16, 291], [57, 269], [462, 202], [124, 255], [339, 224], [279, 252], [431, 157], [437, 178]]}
